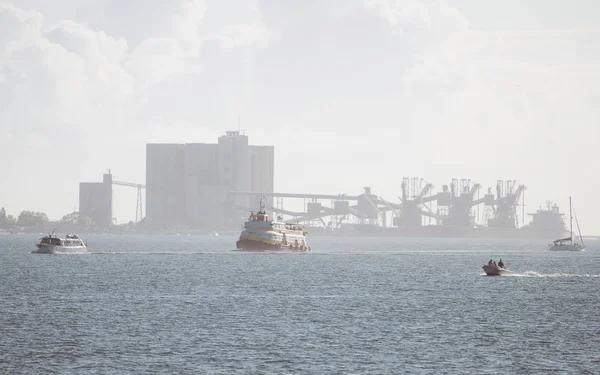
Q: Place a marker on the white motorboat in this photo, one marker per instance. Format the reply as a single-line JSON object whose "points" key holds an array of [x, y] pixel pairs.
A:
{"points": [[494, 271], [567, 244], [53, 244]]}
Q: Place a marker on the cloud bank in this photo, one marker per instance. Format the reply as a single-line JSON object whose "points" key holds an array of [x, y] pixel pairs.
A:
{"points": [[352, 93]]}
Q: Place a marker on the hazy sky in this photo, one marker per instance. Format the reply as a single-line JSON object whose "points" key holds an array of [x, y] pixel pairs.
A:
{"points": [[352, 93]]}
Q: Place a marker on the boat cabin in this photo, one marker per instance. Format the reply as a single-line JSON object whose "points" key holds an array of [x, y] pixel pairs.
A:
{"points": [[260, 216], [69, 240], [50, 240], [562, 241]]}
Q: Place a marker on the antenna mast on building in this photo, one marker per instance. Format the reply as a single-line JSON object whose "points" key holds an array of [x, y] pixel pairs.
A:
{"points": [[240, 130]]}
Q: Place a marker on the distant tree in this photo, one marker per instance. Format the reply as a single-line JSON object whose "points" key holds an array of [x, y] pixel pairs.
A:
{"points": [[3, 218], [11, 221], [32, 219], [71, 219], [6, 221]]}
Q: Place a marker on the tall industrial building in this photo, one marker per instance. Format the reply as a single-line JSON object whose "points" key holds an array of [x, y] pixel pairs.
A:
{"points": [[234, 165], [165, 193], [201, 184], [95, 201], [262, 164], [189, 184]]}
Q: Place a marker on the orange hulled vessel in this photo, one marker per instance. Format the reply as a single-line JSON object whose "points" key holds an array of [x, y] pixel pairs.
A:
{"points": [[262, 234]]}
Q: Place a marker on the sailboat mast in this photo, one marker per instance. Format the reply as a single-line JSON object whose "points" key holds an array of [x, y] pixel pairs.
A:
{"points": [[571, 219], [578, 229]]}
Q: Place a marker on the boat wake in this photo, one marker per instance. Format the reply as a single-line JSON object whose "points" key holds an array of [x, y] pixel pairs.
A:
{"points": [[559, 274], [155, 252]]}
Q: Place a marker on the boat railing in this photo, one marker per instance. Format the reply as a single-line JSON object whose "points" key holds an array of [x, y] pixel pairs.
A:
{"points": [[290, 226]]}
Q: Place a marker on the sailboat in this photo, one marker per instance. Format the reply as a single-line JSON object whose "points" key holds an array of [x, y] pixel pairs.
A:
{"points": [[567, 244]]}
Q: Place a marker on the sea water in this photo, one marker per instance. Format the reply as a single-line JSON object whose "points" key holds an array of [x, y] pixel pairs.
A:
{"points": [[190, 304]]}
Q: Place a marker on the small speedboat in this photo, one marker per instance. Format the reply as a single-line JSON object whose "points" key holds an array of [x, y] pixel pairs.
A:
{"points": [[494, 271]]}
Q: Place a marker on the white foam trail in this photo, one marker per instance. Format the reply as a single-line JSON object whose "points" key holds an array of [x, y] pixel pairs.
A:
{"points": [[154, 253], [559, 274]]}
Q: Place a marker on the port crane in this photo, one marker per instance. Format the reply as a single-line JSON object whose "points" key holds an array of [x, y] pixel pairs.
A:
{"points": [[504, 208], [410, 210], [455, 205], [139, 204]]}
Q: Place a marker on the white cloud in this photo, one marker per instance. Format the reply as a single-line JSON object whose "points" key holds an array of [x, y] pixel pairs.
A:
{"points": [[62, 73], [156, 60], [433, 16], [243, 35], [67, 87], [369, 87], [186, 25], [17, 28]]}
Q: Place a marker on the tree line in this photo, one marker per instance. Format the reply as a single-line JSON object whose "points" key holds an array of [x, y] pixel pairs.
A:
{"points": [[33, 219]]}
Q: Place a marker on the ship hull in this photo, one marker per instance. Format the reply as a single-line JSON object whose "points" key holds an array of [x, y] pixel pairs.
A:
{"points": [[565, 247], [256, 245], [53, 249], [494, 271]]}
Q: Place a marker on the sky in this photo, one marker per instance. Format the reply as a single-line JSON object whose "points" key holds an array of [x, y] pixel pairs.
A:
{"points": [[351, 93]]}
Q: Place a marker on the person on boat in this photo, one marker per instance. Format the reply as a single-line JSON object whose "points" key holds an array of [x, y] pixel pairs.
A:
{"points": [[494, 264], [501, 264], [491, 263]]}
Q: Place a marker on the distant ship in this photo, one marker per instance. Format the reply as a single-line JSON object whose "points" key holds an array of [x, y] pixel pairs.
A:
{"points": [[52, 244], [262, 234]]}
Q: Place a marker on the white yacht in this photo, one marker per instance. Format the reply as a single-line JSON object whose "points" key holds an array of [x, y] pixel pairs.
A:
{"points": [[567, 244], [53, 244]]}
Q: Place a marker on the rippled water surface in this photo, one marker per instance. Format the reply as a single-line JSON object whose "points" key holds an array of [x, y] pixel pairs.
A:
{"points": [[189, 304]]}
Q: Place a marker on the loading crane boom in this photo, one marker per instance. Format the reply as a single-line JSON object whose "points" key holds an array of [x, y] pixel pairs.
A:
{"points": [[505, 205], [138, 209], [130, 184]]}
